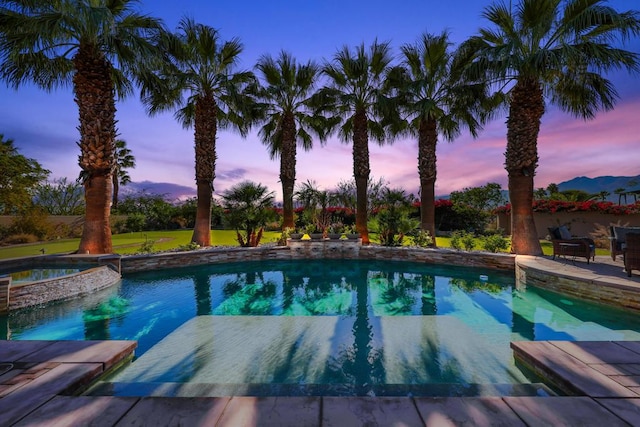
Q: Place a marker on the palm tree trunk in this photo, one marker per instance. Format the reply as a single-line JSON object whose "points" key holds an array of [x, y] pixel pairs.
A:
{"points": [[96, 233], [288, 168], [205, 148], [427, 141], [95, 96], [361, 171], [116, 188], [521, 160]]}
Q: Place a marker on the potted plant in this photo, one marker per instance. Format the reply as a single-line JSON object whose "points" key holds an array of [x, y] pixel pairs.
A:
{"points": [[293, 233], [335, 231], [351, 232], [313, 232]]}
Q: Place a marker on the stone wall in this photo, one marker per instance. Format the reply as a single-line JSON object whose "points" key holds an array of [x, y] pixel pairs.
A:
{"points": [[5, 284], [308, 249], [62, 288], [579, 223], [617, 295]]}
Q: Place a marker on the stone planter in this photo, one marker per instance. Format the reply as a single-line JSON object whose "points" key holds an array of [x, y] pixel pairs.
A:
{"points": [[354, 236], [296, 236], [334, 236], [316, 236]]}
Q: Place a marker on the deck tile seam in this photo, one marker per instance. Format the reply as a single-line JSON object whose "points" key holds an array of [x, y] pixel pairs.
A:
{"points": [[626, 347], [506, 402], [597, 401], [122, 417], [415, 406], [221, 417]]}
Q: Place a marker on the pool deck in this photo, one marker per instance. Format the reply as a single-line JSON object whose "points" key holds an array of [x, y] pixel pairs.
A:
{"points": [[40, 380]]}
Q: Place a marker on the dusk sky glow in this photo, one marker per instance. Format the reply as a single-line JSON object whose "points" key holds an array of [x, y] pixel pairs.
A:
{"points": [[43, 124]]}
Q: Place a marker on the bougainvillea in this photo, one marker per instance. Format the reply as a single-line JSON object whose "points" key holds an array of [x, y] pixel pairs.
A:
{"points": [[552, 206]]}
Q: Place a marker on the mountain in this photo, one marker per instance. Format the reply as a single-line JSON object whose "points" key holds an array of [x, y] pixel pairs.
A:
{"points": [[169, 190], [602, 183]]}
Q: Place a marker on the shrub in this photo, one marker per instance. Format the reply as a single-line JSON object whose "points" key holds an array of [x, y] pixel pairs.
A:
{"points": [[456, 242], [286, 233], [147, 247], [450, 217], [191, 246], [468, 241], [462, 240], [422, 238], [33, 221], [553, 206], [135, 222], [119, 226], [4, 232], [495, 243], [17, 239]]}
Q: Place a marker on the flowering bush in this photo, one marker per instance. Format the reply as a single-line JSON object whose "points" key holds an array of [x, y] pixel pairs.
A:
{"points": [[552, 206]]}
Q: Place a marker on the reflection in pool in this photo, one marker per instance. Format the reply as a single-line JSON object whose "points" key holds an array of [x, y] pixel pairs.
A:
{"points": [[45, 273], [323, 328]]}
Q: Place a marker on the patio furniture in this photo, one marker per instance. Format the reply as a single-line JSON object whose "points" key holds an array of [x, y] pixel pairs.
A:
{"points": [[566, 245], [618, 239], [632, 253]]}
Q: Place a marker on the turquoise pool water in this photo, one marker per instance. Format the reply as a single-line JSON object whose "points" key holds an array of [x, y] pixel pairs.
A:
{"points": [[322, 328], [45, 273]]}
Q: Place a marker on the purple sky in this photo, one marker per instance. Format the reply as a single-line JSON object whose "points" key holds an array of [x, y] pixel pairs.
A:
{"points": [[43, 125]]}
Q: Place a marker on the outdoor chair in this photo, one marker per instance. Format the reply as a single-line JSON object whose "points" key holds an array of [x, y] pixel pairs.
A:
{"points": [[566, 245], [631, 253], [618, 239]]}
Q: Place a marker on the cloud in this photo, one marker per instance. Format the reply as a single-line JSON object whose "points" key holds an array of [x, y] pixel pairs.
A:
{"points": [[168, 190], [231, 175]]}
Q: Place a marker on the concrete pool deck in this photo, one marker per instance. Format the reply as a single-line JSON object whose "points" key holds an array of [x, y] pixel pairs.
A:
{"points": [[39, 380]]}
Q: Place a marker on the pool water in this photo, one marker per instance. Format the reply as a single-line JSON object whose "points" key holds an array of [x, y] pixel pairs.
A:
{"points": [[45, 273], [323, 327]]}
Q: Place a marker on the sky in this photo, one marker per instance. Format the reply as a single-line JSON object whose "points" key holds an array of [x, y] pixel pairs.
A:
{"points": [[44, 125]]}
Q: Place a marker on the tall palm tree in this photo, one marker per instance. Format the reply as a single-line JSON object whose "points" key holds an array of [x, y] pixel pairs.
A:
{"points": [[97, 47], [355, 95], [288, 117], [555, 51], [123, 160], [436, 102], [197, 80]]}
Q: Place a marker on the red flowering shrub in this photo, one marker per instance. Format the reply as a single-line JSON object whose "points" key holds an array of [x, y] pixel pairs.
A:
{"points": [[552, 206]]}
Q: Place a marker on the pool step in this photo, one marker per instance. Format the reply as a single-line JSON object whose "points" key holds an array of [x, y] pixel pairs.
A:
{"points": [[173, 389]]}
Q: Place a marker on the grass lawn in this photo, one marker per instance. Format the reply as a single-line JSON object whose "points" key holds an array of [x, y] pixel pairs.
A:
{"points": [[130, 243]]}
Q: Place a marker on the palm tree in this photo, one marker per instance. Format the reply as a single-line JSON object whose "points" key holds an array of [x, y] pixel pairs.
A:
{"points": [[355, 95], [198, 81], [554, 51], [124, 160], [436, 102], [96, 46], [249, 208], [288, 118]]}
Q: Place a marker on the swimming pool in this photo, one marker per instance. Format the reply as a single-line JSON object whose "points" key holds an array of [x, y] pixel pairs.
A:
{"points": [[327, 327], [42, 273]]}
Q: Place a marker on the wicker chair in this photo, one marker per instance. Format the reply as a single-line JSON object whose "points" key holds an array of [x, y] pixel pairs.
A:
{"points": [[618, 238], [632, 253], [571, 246]]}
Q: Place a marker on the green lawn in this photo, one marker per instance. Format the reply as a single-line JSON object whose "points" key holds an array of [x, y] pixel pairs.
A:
{"points": [[130, 243]]}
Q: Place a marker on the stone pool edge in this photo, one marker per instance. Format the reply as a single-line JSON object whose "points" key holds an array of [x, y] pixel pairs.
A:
{"points": [[31, 294]]}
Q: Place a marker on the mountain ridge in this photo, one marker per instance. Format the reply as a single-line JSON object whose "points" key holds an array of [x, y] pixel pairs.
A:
{"points": [[599, 184]]}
